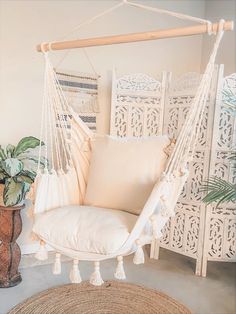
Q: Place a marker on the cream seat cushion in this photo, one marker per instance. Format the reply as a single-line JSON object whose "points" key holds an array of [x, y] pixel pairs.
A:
{"points": [[123, 171], [85, 228]]}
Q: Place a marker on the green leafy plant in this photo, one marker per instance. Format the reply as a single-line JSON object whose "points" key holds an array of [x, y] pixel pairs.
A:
{"points": [[17, 169], [219, 190]]}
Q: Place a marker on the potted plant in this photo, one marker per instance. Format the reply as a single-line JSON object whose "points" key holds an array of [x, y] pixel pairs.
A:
{"points": [[17, 173]]}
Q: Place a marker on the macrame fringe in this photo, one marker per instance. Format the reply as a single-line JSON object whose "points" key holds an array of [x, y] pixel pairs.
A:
{"points": [[75, 273], [139, 254], [57, 265], [120, 272], [42, 253], [96, 278]]}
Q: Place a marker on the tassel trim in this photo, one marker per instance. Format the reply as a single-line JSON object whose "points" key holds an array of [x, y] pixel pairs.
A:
{"points": [[120, 272], [139, 254], [96, 278], [57, 265], [42, 253], [75, 273]]}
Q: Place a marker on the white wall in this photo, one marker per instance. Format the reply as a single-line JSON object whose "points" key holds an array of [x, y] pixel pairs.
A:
{"points": [[23, 24]]}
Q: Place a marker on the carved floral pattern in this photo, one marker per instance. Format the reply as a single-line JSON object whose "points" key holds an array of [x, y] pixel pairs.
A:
{"points": [[140, 114]]}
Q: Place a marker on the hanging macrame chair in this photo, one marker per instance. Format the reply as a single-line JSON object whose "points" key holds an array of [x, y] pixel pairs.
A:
{"points": [[63, 181]]}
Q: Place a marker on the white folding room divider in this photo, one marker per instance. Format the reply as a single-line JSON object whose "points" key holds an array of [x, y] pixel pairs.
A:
{"points": [[141, 106], [220, 223], [137, 105]]}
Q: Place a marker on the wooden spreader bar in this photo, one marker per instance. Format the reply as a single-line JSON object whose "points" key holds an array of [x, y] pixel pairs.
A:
{"points": [[134, 37]]}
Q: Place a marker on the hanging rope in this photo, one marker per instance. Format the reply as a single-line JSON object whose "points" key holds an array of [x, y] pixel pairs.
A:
{"points": [[87, 22], [117, 6], [171, 13]]}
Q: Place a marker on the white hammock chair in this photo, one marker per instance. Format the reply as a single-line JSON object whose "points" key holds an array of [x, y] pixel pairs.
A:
{"points": [[63, 182]]}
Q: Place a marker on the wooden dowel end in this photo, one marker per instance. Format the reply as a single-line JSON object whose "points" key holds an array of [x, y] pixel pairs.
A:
{"points": [[135, 37]]}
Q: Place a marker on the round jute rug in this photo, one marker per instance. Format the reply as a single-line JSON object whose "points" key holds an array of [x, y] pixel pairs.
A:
{"points": [[111, 298]]}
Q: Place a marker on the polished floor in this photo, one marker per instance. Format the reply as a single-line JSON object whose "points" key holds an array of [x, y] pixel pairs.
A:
{"points": [[172, 274]]}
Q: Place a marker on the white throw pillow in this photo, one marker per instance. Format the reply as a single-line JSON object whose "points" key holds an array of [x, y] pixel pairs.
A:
{"points": [[84, 228], [123, 171]]}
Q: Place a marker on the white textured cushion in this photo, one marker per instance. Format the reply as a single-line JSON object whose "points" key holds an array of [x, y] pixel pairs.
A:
{"points": [[123, 171], [85, 229]]}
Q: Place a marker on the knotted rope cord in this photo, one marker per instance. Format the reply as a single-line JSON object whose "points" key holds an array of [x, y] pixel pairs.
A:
{"points": [[51, 127], [133, 4], [197, 110], [54, 123], [62, 123], [54, 102], [58, 125], [212, 63], [84, 23], [42, 125], [65, 109], [171, 13]]}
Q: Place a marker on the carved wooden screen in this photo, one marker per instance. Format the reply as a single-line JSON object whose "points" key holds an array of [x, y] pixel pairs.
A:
{"points": [[220, 231], [184, 232], [137, 105], [199, 231]]}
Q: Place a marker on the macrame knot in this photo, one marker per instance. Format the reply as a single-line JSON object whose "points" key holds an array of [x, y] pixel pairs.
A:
{"points": [[96, 278], [209, 28], [156, 234], [42, 253], [221, 25], [139, 254], [120, 272], [57, 264], [75, 273], [163, 198], [167, 212]]}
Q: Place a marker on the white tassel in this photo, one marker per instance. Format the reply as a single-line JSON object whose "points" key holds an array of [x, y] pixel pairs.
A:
{"points": [[139, 254], [120, 272], [42, 253], [96, 278], [57, 265], [75, 273]]}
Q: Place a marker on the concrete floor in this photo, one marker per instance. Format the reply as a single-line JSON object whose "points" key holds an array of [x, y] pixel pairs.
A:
{"points": [[172, 274]]}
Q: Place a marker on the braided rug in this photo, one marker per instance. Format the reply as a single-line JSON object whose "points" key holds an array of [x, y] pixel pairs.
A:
{"points": [[111, 298]]}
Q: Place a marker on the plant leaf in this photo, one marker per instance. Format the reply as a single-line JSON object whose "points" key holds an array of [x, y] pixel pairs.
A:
{"points": [[23, 178], [10, 150], [12, 166], [43, 160], [13, 192], [26, 188], [25, 144], [30, 174], [2, 175], [219, 191], [2, 154]]}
